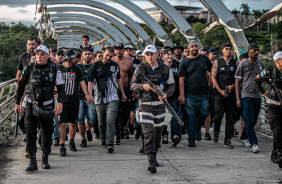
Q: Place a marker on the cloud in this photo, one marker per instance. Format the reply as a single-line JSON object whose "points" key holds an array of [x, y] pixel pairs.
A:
{"points": [[17, 3], [22, 11]]}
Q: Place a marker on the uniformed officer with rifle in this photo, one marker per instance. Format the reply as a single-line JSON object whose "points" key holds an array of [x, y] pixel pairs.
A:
{"points": [[273, 78], [151, 109], [40, 79]]}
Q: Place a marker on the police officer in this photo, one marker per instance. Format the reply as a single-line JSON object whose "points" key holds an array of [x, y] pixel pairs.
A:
{"points": [[151, 109], [273, 77], [40, 77]]}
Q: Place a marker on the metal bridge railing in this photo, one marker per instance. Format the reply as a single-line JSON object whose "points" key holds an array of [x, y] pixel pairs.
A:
{"points": [[7, 104]]}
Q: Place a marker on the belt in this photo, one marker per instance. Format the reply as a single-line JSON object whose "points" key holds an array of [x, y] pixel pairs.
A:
{"points": [[152, 103], [270, 101]]}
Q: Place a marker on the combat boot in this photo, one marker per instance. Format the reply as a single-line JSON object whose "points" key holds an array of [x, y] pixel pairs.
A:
{"points": [[279, 157], [274, 158], [32, 163], [152, 162], [44, 162]]}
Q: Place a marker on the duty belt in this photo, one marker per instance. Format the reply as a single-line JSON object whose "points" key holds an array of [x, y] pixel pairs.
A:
{"points": [[270, 101]]}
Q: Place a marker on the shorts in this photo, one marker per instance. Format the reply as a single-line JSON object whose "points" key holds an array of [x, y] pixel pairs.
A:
{"points": [[69, 115], [88, 110]]}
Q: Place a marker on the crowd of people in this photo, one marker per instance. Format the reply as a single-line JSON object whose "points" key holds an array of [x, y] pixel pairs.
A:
{"points": [[62, 92]]}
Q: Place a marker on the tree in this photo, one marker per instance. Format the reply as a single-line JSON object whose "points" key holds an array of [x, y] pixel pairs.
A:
{"points": [[235, 12], [245, 12], [198, 27]]}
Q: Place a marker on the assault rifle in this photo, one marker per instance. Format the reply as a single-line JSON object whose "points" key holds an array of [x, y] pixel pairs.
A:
{"points": [[160, 93]]}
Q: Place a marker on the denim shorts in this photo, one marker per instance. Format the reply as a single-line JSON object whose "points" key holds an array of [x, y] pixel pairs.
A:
{"points": [[88, 110]]}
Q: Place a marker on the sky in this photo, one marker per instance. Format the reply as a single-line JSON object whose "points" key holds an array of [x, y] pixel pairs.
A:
{"points": [[24, 10]]}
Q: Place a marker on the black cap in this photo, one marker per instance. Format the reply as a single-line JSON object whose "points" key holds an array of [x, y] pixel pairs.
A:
{"points": [[167, 48], [167, 51], [253, 46], [212, 50], [244, 55], [178, 46], [119, 45], [69, 54], [59, 51], [226, 45], [87, 49]]}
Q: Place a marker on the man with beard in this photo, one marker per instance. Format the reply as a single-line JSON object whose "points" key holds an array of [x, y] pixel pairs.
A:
{"points": [[247, 96], [222, 77], [86, 110], [72, 76], [177, 50], [176, 129], [105, 77], [194, 83], [126, 71], [25, 57]]}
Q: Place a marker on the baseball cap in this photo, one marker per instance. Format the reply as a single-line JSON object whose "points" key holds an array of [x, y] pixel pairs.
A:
{"points": [[244, 55], [69, 54], [226, 45], [192, 42], [119, 45], [87, 49], [59, 51], [277, 55], [150, 48], [128, 47], [253, 46], [42, 48], [167, 52], [212, 50], [167, 48]]}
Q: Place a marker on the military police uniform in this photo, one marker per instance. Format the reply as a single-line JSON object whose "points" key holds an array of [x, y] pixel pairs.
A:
{"points": [[40, 81], [273, 78], [151, 110]]}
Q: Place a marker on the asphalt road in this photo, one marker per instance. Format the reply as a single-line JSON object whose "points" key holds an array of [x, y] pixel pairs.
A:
{"points": [[207, 163]]}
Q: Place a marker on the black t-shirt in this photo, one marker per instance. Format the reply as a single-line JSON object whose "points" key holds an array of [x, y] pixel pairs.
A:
{"points": [[104, 78], [85, 70], [72, 77], [136, 62], [175, 67], [24, 60], [195, 72]]}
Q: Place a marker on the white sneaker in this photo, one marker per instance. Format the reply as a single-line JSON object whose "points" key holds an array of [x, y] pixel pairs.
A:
{"points": [[255, 148], [246, 143]]}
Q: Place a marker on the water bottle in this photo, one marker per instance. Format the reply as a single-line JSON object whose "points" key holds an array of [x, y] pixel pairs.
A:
{"points": [[162, 86]]}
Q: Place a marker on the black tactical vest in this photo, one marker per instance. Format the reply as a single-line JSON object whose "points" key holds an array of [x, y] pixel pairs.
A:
{"points": [[158, 75], [226, 72], [276, 77], [41, 83]]}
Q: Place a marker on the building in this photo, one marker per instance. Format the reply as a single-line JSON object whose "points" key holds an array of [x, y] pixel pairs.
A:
{"points": [[185, 11]]}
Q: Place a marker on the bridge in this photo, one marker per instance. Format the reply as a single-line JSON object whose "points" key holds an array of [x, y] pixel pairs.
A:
{"points": [[208, 163]]}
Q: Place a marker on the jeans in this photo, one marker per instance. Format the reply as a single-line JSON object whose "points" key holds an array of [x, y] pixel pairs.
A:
{"points": [[107, 116], [251, 109], [88, 110], [176, 129], [196, 106], [55, 135]]}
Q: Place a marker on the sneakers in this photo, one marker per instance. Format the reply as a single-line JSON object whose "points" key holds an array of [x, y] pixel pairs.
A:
{"points": [[117, 140], [175, 140], [110, 148], [103, 145], [126, 134], [56, 143], [255, 148], [199, 136], [228, 144], [89, 136], [215, 137], [72, 146], [208, 137], [63, 152], [246, 143], [165, 139], [96, 136], [83, 143], [192, 144]]}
